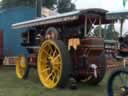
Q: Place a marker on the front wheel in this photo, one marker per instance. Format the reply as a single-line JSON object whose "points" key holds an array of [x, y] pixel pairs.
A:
{"points": [[53, 64], [118, 83]]}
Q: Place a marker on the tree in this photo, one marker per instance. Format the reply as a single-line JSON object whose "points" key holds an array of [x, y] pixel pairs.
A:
{"points": [[15, 3], [61, 5], [65, 6], [124, 2], [49, 3], [32, 3]]}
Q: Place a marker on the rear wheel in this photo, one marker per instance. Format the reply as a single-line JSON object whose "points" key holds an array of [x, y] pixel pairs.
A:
{"points": [[22, 67], [53, 64]]}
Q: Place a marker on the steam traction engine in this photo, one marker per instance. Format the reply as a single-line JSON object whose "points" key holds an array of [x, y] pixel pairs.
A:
{"points": [[64, 46]]}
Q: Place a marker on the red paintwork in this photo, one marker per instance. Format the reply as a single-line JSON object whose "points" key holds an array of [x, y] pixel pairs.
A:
{"points": [[32, 59], [91, 48]]}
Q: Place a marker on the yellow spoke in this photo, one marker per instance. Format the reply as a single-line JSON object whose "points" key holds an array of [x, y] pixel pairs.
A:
{"points": [[50, 49], [54, 53], [57, 67], [57, 62], [21, 72], [56, 58], [45, 70], [50, 53], [54, 77], [45, 52], [57, 75], [48, 76], [57, 70], [20, 66]]}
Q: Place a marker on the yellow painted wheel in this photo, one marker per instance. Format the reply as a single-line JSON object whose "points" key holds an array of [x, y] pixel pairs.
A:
{"points": [[21, 67], [53, 64]]}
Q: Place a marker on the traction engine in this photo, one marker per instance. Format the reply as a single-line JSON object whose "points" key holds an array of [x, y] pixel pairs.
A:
{"points": [[64, 46]]}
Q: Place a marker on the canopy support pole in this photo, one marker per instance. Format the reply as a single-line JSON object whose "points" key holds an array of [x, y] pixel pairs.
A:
{"points": [[100, 33], [121, 26], [85, 26]]}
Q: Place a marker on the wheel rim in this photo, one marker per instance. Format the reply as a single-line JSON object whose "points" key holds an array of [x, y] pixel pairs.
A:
{"points": [[120, 85], [49, 64], [20, 66]]}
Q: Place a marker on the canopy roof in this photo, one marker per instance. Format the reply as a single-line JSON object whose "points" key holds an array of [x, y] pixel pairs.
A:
{"points": [[120, 14], [70, 16]]}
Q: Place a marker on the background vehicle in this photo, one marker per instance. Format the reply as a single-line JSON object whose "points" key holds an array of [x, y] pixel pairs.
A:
{"points": [[118, 81]]}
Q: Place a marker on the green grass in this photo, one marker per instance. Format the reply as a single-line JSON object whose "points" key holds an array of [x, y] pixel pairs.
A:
{"points": [[11, 86]]}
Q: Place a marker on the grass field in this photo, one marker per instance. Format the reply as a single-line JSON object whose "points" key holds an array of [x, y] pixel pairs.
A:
{"points": [[11, 86]]}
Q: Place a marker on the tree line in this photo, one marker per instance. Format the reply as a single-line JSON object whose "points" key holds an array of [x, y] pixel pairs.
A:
{"points": [[60, 5]]}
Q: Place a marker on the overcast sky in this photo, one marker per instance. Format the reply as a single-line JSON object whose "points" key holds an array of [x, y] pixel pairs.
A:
{"points": [[106, 4], [109, 5]]}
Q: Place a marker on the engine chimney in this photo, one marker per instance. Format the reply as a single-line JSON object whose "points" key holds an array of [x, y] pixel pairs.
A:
{"points": [[38, 7]]}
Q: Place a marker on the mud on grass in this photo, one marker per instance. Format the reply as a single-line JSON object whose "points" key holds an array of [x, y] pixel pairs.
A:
{"points": [[11, 86]]}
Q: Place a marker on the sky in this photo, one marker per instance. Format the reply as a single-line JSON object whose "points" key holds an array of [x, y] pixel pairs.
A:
{"points": [[105, 4], [109, 5]]}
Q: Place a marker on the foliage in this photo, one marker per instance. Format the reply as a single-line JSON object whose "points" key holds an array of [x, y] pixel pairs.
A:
{"points": [[60, 5], [65, 6], [49, 3], [15, 3], [124, 2]]}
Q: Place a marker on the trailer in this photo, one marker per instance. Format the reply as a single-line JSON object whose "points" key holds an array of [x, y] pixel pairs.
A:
{"points": [[63, 46]]}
